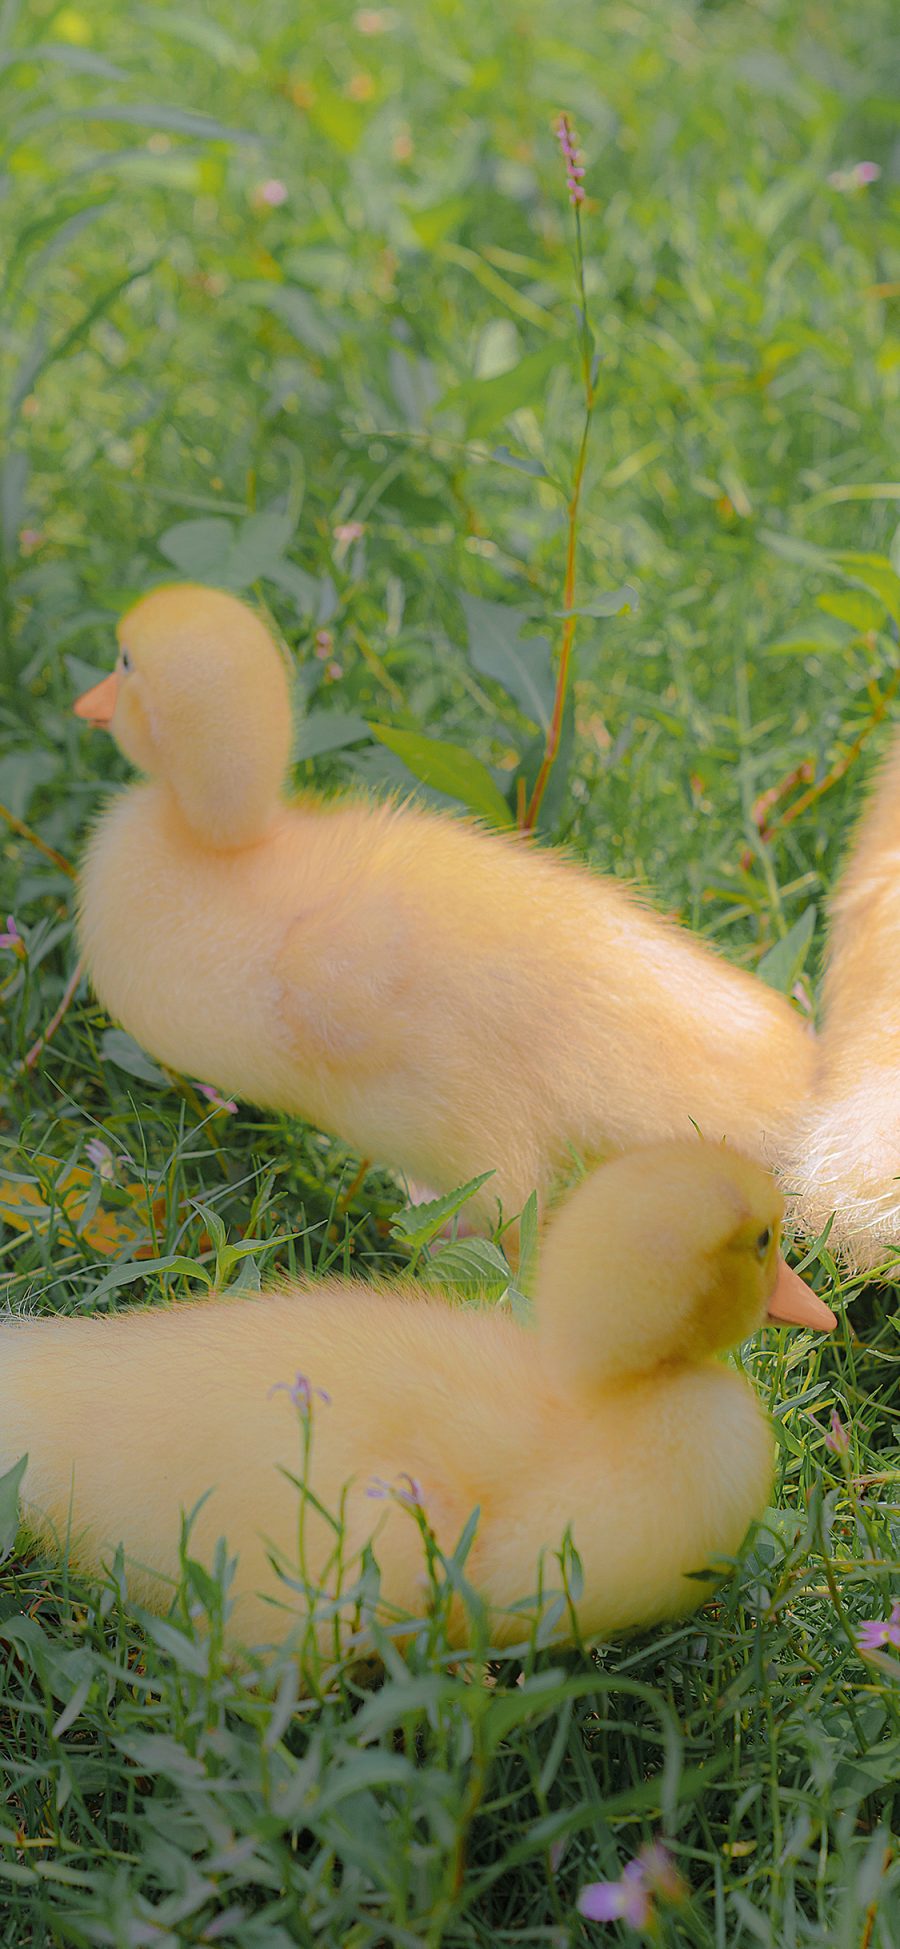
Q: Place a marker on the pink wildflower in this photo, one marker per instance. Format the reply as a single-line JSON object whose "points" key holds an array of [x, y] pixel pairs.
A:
{"points": [[324, 644], [573, 158], [837, 1439], [876, 1631], [270, 194], [219, 1102], [12, 938], [347, 531], [370, 21], [857, 176]]}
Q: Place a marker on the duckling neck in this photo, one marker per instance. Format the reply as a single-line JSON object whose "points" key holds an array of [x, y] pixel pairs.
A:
{"points": [[240, 817]]}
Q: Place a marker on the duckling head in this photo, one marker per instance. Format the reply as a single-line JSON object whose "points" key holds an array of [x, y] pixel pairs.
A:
{"points": [[665, 1256], [199, 698]]}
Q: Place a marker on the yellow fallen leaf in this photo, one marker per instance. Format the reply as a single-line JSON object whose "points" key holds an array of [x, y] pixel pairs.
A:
{"points": [[24, 1206]]}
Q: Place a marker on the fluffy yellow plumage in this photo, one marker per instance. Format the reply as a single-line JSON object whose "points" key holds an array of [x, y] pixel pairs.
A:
{"points": [[450, 1000], [846, 1152], [612, 1416]]}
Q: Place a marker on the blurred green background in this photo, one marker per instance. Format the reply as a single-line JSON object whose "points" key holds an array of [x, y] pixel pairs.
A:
{"points": [[287, 301]]}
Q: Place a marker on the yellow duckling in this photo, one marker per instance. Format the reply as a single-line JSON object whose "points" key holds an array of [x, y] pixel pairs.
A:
{"points": [[613, 1416], [846, 1156], [449, 1000]]}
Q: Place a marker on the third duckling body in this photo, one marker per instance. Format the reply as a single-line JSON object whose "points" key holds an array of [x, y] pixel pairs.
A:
{"points": [[846, 1161], [450, 1000], [613, 1418]]}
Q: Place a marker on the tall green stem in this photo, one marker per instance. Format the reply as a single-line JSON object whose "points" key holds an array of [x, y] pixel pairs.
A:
{"points": [[528, 817]]}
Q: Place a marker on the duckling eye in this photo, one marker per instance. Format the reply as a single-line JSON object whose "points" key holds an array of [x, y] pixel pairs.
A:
{"points": [[125, 661], [763, 1242]]}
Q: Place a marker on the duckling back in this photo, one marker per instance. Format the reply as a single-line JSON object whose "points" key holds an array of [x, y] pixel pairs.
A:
{"points": [[452, 1001]]}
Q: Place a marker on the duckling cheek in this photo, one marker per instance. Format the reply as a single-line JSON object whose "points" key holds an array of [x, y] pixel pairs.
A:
{"points": [[131, 729]]}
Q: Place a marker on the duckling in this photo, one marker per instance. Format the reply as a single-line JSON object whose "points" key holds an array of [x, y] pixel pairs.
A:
{"points": [[613, 1416], [846, 1149], [450, 1000]]}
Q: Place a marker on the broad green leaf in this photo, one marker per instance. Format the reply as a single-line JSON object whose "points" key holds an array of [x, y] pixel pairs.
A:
{"points": [[875, 573], [468, 1265], [328, 731], [118, 1047], [854, 606], [872, 572], [199, 548], [485, 402], [127, 1273], [521, 664], [416, 1225], [214, 549], [528, 1239], [310, 593], [21, 773], [10, 1484], [447, 768], [784, 962], [431, 226], [522, 463], [610, 602], [823, 634], [258, 547]]}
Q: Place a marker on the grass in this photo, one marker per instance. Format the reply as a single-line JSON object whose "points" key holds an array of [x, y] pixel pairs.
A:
{"points": [[195, 381]]}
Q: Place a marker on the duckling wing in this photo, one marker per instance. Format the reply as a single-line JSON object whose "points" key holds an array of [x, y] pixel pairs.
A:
{"points": [[344, 970]]}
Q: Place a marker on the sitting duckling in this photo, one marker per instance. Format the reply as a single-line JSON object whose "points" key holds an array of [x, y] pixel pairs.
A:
{"points": [[846, 1153], [613, 1416], [450, 1000]]}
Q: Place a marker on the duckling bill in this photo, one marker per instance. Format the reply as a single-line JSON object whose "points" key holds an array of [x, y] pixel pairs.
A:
{"points": [[614, 1417], [450, 1000]]}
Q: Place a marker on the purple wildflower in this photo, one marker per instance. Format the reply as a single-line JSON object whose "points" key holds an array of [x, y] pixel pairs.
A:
{"points": [[301, 1392], [379, 1490], [220, 1102], [12, 938], [837, 1439], [101, 1157], [627, 1900], [650, 1877], [876, 1631], [573, 158]]}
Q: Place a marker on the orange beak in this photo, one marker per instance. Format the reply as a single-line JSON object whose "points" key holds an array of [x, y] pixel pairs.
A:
{"points": [[796, 1303], [96, 706]]}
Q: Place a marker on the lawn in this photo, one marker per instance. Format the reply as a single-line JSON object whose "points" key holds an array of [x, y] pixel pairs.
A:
{"points": [[289, 303]]}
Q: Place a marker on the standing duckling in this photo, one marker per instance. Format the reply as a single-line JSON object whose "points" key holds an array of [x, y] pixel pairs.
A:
{"points": [[449, 1000], [846, 1154], [613, 1418]]}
